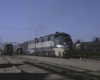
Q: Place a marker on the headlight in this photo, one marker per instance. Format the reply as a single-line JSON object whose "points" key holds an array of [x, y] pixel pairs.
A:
{"points": [[59, 45], [64, 46]]}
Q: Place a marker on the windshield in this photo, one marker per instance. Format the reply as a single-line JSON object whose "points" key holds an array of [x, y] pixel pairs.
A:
{"points": [[61, 39], [58, 39]]}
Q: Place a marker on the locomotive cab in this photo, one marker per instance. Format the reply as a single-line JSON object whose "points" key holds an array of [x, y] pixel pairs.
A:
{"points": [[63, 43]]}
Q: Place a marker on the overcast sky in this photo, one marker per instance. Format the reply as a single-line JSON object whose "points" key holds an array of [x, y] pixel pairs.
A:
{"points": [[22, 20]]}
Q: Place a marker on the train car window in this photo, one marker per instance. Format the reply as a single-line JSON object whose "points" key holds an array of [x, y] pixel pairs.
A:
{"points": [[42, 40], [37, 40], [48, 38], [51, 37]]}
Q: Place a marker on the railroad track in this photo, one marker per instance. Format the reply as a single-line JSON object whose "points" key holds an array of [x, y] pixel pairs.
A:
{"points": [[71, 73], [81, 75], [59, 69], [20, 70], [62, 71], [29, 76]]}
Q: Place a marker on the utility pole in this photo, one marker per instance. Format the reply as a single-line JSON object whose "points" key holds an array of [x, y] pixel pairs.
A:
{"points": [[51, 43], [35, 39]]}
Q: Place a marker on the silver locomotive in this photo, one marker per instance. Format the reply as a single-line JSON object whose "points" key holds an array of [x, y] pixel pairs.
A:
{"points": [[51, 45]]}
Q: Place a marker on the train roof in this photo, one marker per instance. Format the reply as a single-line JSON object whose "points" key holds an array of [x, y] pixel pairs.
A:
{"points": [[57, 33], [48, 36]]}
